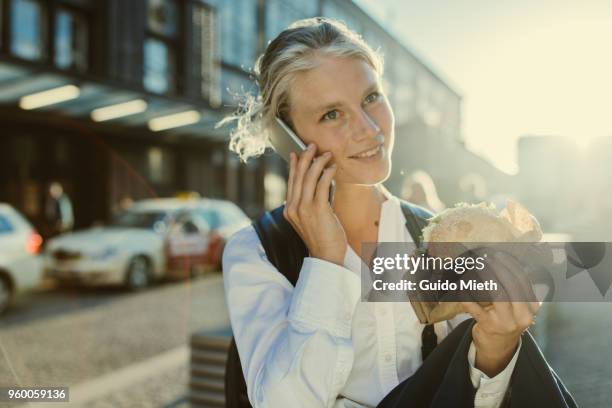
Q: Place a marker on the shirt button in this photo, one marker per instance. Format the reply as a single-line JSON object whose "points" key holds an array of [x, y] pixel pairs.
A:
{"points": [[347, 315], [388, 358]]}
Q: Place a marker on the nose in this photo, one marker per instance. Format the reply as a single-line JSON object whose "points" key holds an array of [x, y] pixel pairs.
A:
{"points": [[364, 127]]}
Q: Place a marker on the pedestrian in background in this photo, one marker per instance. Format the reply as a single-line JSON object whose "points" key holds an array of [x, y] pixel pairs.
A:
{"points": [[419, 188], [58, 211]]}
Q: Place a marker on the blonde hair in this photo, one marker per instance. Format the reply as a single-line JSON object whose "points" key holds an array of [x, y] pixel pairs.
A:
{"points": [[290, 52]]}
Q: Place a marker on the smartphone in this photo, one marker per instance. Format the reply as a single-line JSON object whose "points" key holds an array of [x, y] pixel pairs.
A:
{"points": [[286, 141]]}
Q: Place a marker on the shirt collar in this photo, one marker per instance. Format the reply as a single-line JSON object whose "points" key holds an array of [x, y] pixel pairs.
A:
{"points": [[391, 228]]}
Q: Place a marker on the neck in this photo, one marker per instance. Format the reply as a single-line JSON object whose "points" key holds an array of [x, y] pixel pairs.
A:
{"points": [[357, 206]]}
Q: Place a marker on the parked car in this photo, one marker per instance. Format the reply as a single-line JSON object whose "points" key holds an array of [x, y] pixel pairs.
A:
{"points": [[153, 239], [20, 265], [213, 222]]}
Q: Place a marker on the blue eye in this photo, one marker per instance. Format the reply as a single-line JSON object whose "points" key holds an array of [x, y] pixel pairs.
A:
{"points": [[331, 115], [372, 97]]}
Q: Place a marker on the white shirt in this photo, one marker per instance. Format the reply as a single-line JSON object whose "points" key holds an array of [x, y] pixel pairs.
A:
{"points": [[318, 345]]}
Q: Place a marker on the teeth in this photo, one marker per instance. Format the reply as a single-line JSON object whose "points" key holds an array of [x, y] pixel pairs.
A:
{"points": [[369, 153]]}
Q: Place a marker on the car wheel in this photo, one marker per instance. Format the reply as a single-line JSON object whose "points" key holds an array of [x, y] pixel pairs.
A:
{"points": [[138, 274], [5, 294]]}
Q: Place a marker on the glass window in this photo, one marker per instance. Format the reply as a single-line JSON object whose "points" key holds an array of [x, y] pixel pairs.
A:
{"points": [[232, 84], [205, 54], [159, 46], [137, 219], [5, 225], [238, 32], [160, 165], [1, 21], [70, 41], [210, 216], [162, 17], [158, 67], [340, 12], [27, 29], [281, 13], [230, 214]]}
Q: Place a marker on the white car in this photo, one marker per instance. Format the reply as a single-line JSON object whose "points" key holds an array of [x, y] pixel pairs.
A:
{"points": [[20, 265], [153, 239]]}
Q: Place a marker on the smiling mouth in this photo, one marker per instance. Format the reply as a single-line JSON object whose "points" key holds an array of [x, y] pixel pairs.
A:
{"points": [[368, 153]]}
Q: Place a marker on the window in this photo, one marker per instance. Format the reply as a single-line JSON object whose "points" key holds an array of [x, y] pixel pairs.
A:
{"points": [[231, 214], [238, 32], [71, 39], [158, 70], [140, 219], [210, 216], [337, 10], [233, 83], [1, 24], [204, 42], [160, 165], [5, 225], [27, 29], [162, 17], [189, 227], [281, 13], [160, 46]]}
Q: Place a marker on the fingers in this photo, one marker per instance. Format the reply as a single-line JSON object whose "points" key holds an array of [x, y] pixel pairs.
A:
{"points": [[313, 175], [300, 166], [517, 315], [473, 308], [520, 292], [291, 176], [517, 275], [324, 185], [507, 278]]}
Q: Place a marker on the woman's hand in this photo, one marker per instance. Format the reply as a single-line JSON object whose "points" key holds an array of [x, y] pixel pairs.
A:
{"points": [[499, 326], [308, 208]]}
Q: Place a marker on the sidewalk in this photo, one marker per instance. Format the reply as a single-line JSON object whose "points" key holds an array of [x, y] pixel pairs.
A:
{"points": [[161, 381], [154, 383], [580, 351]]}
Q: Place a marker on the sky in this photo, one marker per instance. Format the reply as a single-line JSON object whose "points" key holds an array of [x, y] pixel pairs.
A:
{"points": [[523, 67]]}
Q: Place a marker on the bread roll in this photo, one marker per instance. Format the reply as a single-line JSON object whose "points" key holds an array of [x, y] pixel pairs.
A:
{"points": [[471, 225]]}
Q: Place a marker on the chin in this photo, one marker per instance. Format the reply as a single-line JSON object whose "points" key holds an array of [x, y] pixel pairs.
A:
{"points": [[367, 176]]}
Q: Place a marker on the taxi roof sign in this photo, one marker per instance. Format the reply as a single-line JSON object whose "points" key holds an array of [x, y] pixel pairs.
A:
{"points": [[187, 195]]}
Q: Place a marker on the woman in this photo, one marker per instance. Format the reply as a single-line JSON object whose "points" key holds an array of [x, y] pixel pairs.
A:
{"points": [[316, 345]]}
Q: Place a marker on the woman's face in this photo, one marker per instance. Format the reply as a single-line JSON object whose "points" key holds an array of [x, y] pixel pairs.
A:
{"points": [[340, 106]]}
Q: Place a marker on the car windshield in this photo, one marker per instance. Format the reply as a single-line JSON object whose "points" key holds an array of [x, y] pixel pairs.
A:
{"points": [[231, 215], [210, 216], [5, 225], [221, 215], [154, 220]]}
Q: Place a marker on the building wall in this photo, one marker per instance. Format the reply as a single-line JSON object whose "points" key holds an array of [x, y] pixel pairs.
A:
{"points": [[213, 45], [35, 154]]}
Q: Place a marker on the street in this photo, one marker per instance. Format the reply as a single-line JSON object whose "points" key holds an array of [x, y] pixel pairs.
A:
{"points": [[579, 350], [76, 337], [116, 348]]}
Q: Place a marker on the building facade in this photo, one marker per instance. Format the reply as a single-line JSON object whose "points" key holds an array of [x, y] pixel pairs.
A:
{"points": [[167, 70]]}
